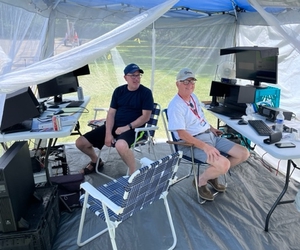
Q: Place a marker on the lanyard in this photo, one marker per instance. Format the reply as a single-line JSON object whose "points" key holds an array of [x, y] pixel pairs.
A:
{"points": [[193, 107]]}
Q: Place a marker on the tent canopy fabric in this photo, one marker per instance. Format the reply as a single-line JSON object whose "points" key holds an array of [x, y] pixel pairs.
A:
{"points": [[57, 36]]}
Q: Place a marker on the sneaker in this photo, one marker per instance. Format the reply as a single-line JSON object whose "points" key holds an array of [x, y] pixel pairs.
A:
{"points": [[216, 185], [204, 192]]}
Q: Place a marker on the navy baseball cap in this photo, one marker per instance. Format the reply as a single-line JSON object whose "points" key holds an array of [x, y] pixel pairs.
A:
{"points": [[131, 68]]}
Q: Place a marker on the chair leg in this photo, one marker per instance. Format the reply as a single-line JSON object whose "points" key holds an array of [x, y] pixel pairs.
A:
{"points": [[97, 171], [111, 228], [196, 174], [171, 223], [81, 224]]}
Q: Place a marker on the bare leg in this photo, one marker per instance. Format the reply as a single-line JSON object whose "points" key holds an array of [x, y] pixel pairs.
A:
{"points": [[126, 154], [215, 169], [86, 147], [237, 154]]}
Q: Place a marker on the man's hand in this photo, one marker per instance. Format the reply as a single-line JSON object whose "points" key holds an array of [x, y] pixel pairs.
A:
{"points": [[109, 139], [212, 153], [121, 130], [216, 132]]}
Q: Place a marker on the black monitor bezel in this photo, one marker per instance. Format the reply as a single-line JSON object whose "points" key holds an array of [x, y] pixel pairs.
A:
{"points": [[54, 87], [19, 106], [260, 69]]}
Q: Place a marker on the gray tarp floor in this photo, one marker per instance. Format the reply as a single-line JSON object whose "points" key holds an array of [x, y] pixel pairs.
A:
{"points": [[234, 220]]}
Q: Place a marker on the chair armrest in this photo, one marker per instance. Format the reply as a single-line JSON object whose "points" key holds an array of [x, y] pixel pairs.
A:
{"points": [[146, 129], [145, 161], [99, 196], [96, 110], [101, 109], [182, 143]]}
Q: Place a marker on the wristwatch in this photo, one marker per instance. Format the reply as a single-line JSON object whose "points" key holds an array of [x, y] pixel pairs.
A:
{"points": [[130, 126]]}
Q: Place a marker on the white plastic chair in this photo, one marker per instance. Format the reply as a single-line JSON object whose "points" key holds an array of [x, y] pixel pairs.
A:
{"points": [[120, 199]]}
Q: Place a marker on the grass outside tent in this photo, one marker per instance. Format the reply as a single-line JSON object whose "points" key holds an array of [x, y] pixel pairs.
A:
{"points": [[100, 86]]}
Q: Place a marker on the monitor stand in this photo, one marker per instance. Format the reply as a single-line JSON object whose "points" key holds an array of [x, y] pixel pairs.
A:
{"points": [[57, 101], [214, 102], [258, 85]]}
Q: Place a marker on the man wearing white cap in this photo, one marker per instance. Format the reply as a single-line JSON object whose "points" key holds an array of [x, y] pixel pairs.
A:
{"points": [[187, 121]]}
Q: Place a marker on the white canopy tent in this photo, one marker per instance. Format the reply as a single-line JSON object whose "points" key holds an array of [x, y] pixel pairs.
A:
{"points": [[40, 36]]}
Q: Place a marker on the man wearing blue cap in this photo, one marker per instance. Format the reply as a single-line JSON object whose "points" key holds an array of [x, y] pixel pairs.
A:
{"points": [[130, 107]]}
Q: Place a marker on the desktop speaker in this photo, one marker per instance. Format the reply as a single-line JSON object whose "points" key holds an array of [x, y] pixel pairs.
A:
{"points": [[270, 113]]}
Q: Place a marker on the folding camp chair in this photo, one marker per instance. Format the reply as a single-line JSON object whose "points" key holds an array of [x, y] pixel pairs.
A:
{"points": [[143, 136], [195, 162], [120, 199]]}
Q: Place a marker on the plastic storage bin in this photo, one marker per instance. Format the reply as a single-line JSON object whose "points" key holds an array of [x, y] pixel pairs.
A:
{"points": [[43, 218], [269, 95]]}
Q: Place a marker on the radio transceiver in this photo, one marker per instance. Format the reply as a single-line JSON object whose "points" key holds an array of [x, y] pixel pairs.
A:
{"points": [[270, 113]]}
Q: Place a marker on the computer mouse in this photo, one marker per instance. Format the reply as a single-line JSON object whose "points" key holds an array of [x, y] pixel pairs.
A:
{"points": [[58, 112], [242, 122]]}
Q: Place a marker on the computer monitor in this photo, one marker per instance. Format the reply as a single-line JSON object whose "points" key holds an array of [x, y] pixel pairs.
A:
{"points": [[257, 64], [19, 106], [16, 187], [64, 84], [218, 89], [85, 70], [251, 65], [56, 87], [231, 95]]}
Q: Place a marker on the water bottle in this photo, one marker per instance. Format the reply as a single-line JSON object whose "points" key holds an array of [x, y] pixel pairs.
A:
{"points": [[249, 111], [80, 94], [279, 122]]}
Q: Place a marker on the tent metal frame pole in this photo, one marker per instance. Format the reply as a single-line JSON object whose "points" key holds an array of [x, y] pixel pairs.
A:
{"points": [[153, 55]]}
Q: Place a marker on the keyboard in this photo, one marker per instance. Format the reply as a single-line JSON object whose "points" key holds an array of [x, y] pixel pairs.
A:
{"points": [[227, 111], [260, 127], [74, 104]]}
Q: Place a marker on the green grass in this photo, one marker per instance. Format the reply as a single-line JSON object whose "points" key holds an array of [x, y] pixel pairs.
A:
{"points": [[102, 81]]}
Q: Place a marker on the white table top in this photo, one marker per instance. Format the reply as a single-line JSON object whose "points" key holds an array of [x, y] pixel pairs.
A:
{"points": [[248, 132], [65, 131]]}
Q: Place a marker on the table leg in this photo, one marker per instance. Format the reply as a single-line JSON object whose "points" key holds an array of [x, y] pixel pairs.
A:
{"points": [[46, 161], [278, 201]]}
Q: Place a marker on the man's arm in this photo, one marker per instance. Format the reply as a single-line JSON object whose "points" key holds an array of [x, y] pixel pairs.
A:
{"points": [[146, 114], [145, 117], [110, 121]]}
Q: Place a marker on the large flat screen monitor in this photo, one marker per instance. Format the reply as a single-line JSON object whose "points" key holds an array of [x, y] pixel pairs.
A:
{"points": [[16, 187], [56, 87], [250, 65], [64, 84], [19, 106], [257, 64]]}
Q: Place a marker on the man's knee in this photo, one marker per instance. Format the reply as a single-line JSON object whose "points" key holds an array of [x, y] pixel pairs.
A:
{"points": [[245, 154], [121, 145], [81, 142]]}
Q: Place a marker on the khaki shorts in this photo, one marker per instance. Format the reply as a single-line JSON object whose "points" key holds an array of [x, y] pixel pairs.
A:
{"points": [[220, 143]]}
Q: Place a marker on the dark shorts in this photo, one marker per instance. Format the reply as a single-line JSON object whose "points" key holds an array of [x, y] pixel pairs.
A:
{"points": [[97, 136], [220, 143]]}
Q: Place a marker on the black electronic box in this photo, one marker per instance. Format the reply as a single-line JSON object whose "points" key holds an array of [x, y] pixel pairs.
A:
{"points": [[270, 113]]}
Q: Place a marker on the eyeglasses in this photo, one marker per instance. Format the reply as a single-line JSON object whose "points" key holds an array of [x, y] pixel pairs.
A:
{"points": [[186, 82], [135, 76]]}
